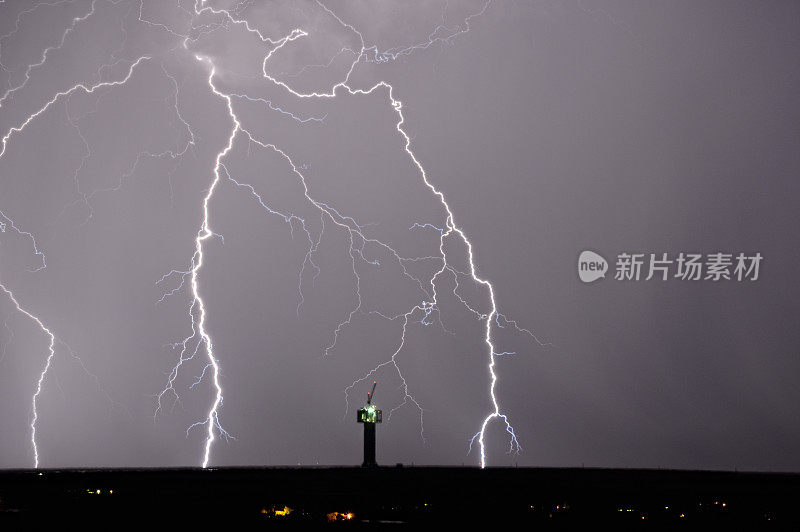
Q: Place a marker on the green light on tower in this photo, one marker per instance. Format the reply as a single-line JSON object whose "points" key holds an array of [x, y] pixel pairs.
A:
{"points": [[369, 414]]}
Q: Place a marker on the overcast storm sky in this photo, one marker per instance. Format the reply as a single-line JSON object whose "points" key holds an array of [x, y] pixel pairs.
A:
{"points": [[219, 193]]}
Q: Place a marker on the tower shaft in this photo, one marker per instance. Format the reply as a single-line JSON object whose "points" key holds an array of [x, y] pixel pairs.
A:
{"points": [[369, 445]]}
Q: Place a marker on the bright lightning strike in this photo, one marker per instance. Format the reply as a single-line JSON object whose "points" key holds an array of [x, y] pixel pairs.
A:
{"points": [[451, 230], [6, 222], [200, 340], [199, 324], [51, 348]]}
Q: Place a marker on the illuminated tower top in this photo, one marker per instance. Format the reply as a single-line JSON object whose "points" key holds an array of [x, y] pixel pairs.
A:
{"points": [[370, 413]]}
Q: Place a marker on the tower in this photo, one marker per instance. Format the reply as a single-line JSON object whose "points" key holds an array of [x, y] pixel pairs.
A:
{"points": [[369, 416]]}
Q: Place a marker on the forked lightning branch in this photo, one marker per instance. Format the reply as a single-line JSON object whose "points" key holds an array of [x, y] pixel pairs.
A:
{"points": [[203, 19]]}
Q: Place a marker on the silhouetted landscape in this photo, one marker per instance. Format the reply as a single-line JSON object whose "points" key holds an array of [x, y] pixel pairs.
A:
{"points": [[547, 497]]}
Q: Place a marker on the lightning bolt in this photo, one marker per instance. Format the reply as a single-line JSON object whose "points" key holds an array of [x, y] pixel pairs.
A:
{"points": [[451, 229], [200, 341], [51, 348], [80, 86], [75, 22], [6, 222], [204, 234]]}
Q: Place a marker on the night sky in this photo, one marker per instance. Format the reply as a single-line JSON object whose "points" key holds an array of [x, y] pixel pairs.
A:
{"points": [[548, 128]]}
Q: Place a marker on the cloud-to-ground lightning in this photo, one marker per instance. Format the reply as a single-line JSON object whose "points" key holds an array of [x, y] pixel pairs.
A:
{"points": [[204, 19], [51, 349], [450, 230], [6, 222]]}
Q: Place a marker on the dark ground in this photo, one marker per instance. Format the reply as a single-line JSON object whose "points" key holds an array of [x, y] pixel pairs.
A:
{"points": [[543, 497]]}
